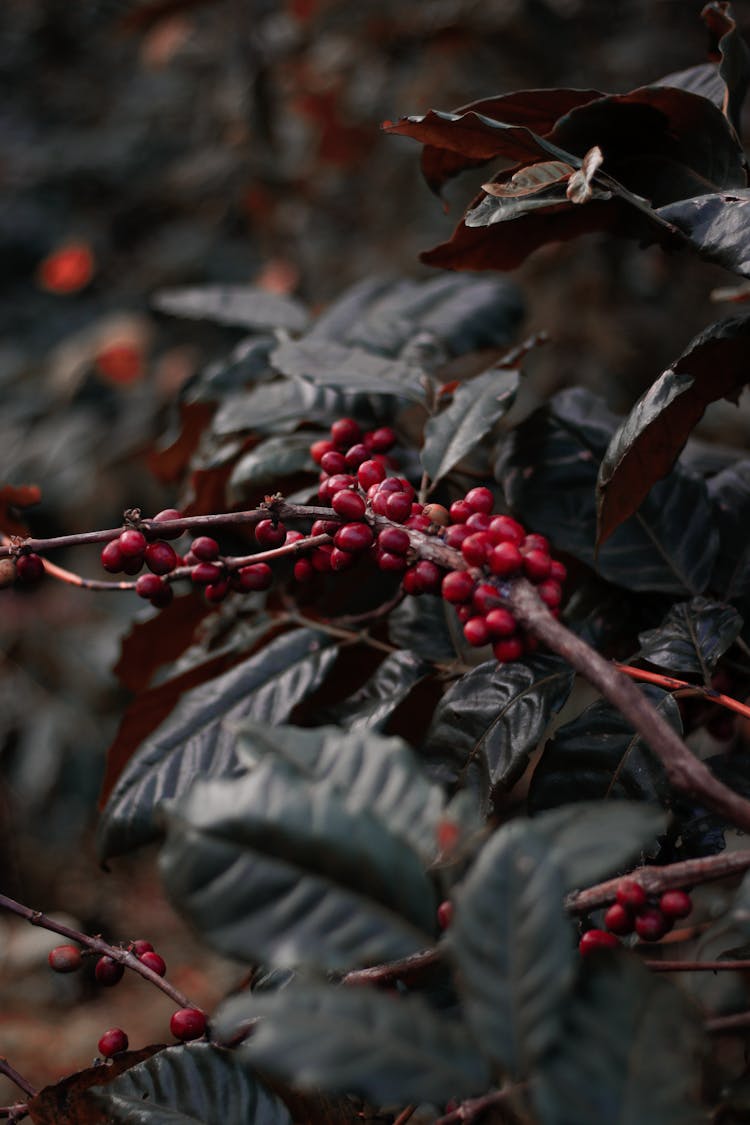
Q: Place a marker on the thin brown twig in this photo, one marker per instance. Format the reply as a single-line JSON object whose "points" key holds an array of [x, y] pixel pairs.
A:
{"points": [[470, 1110], [16, 1078], [697, 966], [671, 684], [98, 945], [736, 1022], [14, 1112]]}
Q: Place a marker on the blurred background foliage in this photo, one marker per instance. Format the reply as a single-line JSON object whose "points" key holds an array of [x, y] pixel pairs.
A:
{"points": [[155, 143]]}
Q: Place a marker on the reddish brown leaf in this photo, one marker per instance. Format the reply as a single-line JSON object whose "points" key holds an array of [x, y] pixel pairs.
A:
{"points": [[16, 497], [169, 464], [67, 1103], [159, 640]]}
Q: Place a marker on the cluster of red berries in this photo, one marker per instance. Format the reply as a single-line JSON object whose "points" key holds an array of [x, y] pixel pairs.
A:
{"points": [[185, 1024], [634, 912]]}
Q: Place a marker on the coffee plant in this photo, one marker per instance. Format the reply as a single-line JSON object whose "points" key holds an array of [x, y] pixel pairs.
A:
{"points": [[435, 696]]}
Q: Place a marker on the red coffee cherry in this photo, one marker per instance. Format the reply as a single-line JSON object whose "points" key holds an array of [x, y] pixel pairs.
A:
{"points": [[112, 1042], [460, 511], [29, 568], [418, 523], [142, 946], [596, 939], [457, 586], [356, 455], [381, 440], [505, 529], [475, 549], [650, 924], [303, 570], [508, 650], [108, 971], [345, 432], [550, 593], [389, 562], [320, 558], [480, 499], [324, 527], [394, 541], [205, 574], [112, 558], [257, 576], [153, 961], [205, 548], [445, 914], [631, 894], [188, 1023], [486, 597], [675, 904], [318, 450], [349, 504], [342, 560], [501, 623], [64, 958], [370, 473], [505, 559], [333, 462], [216, 592], [353, 537], [163, 517], [479, 521], [149, 586], [533, 542], [160, 557], [557, 572], [398, 507], [455, 534], [269, 534], [132, 543], [476, 631], [619, 919], [536, 565], [427, 576]]}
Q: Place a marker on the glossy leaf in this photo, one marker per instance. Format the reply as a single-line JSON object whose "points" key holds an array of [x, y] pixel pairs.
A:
{"points": [[367, 771], [488, 722], [729, 491], [279, 407], [199, 1084], [512, 946], [390, 1050], [549, 472], [716, 225], [423, 626], [477, 405], [242, 306], [692, 637], [194, 738], [647, 444], [269, 462], [374, 704], [590, 840], [637, 1065], [330, 364], [274, 868], [598, 755]]}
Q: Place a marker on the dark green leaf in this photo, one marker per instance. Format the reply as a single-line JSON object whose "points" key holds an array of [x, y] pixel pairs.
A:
{"points": [[243, 306], [692, 637], [374, 704], [330, 364], [590, 840], [513, 947], [367, 771], [281, 406], [629, 1053], [549, 473], [716, 225], [476, 406], [275, 868], [422, 625], [360, 1041], [598, 755], [729, 491], [194, 738], [198, 1084], [647, 444], [271, 461], [490, 720]]}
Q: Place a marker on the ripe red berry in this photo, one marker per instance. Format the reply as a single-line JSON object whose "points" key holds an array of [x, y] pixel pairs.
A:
{"points": [[318, 450], [132, 543], [29, 568], [460, 511], [163, 517], [356, 455], [64, 958], [345, 432], [533, 542], [188, 1023], [120, 362], [269, 534], [457, 586], [111, 557], [455, 534], [142, 946], [475, 548], [161, 558], [418, 523], [394, 540], [153, 961], [353, 537], [349, 504], [506, 529], [381, 440], [303, 570], [216, 592], [619, 919], [257, 576], [675, 904], [505, 559], [205, 548], [650, 924], [333, 462], [205, 574], [550, 593], [480, 499], [557, 572], [67, 269], [370, 473], [112, 1042], [536, 565], [479, 521], [486, 597], [508, 650], [392, 484], [398, 507], [320, 559], [476, 631], [389, 562], [501, 623], [149, 586], [596, 939], [325, 527], [108, 971], [427, 576], [632, 894], [445, 914], [410, 582], [342, 560]]}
